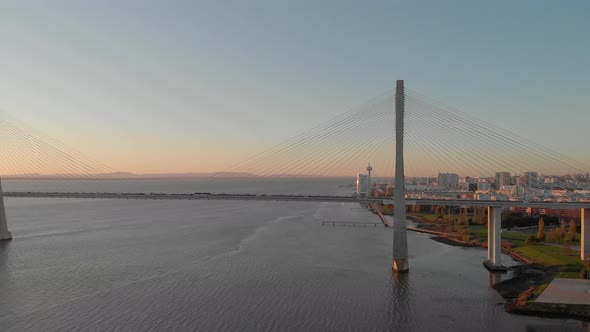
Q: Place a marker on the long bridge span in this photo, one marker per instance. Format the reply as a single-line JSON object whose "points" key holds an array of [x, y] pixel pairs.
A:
{"points": [[437, 137], [303, 198]]}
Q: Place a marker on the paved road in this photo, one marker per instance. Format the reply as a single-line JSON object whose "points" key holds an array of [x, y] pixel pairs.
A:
{"points": [[566, 291]]}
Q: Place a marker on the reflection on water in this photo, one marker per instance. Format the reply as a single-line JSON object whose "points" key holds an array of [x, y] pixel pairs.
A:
{"points": [[494, 278], [4, 246], [199, 265]]}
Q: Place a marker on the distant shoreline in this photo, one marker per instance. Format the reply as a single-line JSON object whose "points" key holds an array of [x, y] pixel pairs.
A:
{"points": [[171, 176]]}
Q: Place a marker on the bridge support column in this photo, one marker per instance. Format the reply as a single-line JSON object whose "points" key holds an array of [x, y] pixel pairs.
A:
{"points": [[400, 233], [4, 233], [494, 261], [490, 234], [585, 239]]}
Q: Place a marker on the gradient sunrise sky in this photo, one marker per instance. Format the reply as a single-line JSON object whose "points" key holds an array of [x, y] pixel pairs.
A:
{"points": [[193, 86]]}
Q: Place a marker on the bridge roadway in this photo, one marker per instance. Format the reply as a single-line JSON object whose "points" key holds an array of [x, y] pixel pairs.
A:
{"points": [[301, 198]]}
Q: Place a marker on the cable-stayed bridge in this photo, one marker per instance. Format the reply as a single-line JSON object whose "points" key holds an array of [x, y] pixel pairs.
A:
{"points": [[417, 144]]}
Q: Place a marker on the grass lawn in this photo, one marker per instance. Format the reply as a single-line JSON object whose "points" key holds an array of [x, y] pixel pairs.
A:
{"points": [[517, 239], [480, 233], [567, 259], [550, 255]]}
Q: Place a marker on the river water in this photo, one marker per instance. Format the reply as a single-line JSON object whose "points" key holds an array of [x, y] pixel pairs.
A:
{"points": [[135, 265]]}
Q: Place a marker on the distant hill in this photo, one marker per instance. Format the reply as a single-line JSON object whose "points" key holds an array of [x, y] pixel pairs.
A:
{"points": [[135, 176], [127, 176]]}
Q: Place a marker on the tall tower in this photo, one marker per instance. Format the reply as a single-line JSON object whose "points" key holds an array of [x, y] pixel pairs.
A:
{"points": [[369, 170], [4, 233], [400, 236]]}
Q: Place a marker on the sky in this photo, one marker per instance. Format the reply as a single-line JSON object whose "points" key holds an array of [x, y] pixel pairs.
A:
{"points": [[196, 86]]}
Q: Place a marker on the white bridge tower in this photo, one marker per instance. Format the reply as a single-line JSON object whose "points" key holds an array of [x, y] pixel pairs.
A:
{"points": [[400, 235]]}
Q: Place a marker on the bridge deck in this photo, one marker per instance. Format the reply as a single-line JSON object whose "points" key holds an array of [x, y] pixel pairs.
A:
{"points": [[300, 198]]}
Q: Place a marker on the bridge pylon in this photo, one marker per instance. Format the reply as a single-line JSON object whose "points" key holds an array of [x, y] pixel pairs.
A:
{"points": [[4, 233], [400, 233]]}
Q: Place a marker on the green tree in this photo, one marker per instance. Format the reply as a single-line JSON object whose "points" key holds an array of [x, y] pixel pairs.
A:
{"points": [[571, 234], [441, 213], [463, 218], [541, 233], [562, 231], [481, 214], [416, 209], [531, 240]]}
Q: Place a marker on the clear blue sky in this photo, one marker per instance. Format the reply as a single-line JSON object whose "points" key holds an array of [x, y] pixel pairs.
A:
{"points": [[204, 83]]}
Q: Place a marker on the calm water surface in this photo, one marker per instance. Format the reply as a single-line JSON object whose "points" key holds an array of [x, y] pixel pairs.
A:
{"points": [[250, 266]]}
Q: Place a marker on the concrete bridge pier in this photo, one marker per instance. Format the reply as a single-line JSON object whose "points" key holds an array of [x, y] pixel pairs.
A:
{"points": [[400, 233], [585, 239], [4, 233], [494, 261]]}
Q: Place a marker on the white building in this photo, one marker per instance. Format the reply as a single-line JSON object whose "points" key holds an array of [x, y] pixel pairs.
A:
{"points": [[362, 184]]}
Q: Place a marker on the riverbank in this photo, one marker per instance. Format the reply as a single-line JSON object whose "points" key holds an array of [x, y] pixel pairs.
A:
{"points": [[529, 280], [446, 238], [451, 239]]}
